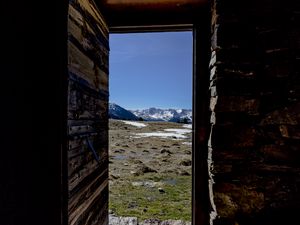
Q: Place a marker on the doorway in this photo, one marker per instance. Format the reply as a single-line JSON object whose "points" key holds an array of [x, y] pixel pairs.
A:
{"points": [[86, 155], [150, 135]]}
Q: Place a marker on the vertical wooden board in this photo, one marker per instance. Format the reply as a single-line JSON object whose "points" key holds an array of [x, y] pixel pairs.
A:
{"points": [[88, 54]]}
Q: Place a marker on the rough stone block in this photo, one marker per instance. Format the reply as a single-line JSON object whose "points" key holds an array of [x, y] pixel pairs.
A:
{"points": [[233, 136], [237, 104], [285, 116], [292, 132], [231, 199]]}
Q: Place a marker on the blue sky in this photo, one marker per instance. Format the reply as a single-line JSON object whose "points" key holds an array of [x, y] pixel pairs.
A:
{"points": [[151, 70]]}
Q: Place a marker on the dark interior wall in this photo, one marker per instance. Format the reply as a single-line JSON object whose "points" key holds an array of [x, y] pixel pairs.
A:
{"points": [[255, 104], [33, 73], [255, 91]]}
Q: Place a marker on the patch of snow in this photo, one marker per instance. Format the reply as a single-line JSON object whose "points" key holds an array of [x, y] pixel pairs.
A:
{"points": [[136, 124], [187, 143], [189, 126], [179, 131], [150, 184], [161, 134], [167, 133]]}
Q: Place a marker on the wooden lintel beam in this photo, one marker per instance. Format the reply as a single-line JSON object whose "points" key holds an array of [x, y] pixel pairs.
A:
{"points": [[136, 13]]}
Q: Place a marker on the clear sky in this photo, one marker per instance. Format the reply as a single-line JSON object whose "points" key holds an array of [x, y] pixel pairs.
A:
{"points": [[151, 70]]}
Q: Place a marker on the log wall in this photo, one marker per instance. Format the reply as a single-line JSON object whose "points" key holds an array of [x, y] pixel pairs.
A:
{"points": [[87, 114]]}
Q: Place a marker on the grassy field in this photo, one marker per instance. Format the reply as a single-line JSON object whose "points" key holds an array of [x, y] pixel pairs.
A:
{"points": [[150, 177], [147, 201]]}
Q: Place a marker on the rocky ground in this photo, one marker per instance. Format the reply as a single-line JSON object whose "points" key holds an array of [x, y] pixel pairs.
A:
{"points": [[150, 171]]}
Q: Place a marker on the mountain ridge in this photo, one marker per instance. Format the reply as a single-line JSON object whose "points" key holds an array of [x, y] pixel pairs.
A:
{"points": [[151, 114]]}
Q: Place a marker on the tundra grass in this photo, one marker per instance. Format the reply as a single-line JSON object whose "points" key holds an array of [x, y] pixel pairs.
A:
{"points": [[165, 200]]}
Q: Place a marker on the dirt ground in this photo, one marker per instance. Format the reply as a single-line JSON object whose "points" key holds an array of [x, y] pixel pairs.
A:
{"points": [[150, 170]]}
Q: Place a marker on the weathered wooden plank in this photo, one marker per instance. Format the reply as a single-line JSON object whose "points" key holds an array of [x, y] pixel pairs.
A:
{"points": [[84, 33], [75, 215], [79, 162], [87, 191], [80, 129], [87, 69], [76, 23], [86, 105], [87, 114], [97, 213], [86, 170], [90, 7], [83, 158], [92, 48]]}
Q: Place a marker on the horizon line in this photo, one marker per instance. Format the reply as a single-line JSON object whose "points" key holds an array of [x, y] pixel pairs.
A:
{"points": [[137, 108]]}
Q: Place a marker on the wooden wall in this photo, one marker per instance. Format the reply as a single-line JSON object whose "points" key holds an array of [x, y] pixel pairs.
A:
{"points": [[87, 114]]}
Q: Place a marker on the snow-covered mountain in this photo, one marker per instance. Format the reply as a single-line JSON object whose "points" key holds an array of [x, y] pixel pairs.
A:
{"points": [[117, 112], [171, 115], [151, 114]]}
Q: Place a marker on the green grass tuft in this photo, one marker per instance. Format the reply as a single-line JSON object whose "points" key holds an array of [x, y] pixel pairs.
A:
{"points": [[147, 202]]}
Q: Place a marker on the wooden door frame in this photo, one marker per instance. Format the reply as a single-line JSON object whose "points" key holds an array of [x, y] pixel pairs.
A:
{"points": [[201, 115], [201, 28]]}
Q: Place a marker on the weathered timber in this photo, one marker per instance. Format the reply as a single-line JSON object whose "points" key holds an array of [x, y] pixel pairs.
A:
{"points": [[87, 114], [87, 191]]}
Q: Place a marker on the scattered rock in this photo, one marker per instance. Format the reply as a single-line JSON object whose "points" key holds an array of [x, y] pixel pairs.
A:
{"points": [[174, 222], [165, 151], [188, 152], [161, 190], [151, 222], [113, 220], [186, 162], [132, 205], [134, 173], [183, 173], [119, 151], [146, 169], [165, 222], [114, 176], [135, 161], [165, 160]]}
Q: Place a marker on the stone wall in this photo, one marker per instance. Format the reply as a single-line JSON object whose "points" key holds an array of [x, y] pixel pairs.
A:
{"points": [[255, 92]]}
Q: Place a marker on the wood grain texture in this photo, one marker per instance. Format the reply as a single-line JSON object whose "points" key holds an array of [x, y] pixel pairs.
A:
{"points": [[87, 114]]}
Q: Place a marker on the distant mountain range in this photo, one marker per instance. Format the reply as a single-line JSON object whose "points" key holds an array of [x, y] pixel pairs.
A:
{"points": [[151, 114], [117, 112]]}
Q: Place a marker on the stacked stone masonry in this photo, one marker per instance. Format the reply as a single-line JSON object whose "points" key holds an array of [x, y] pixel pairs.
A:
{"points": [[255, 92]]}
